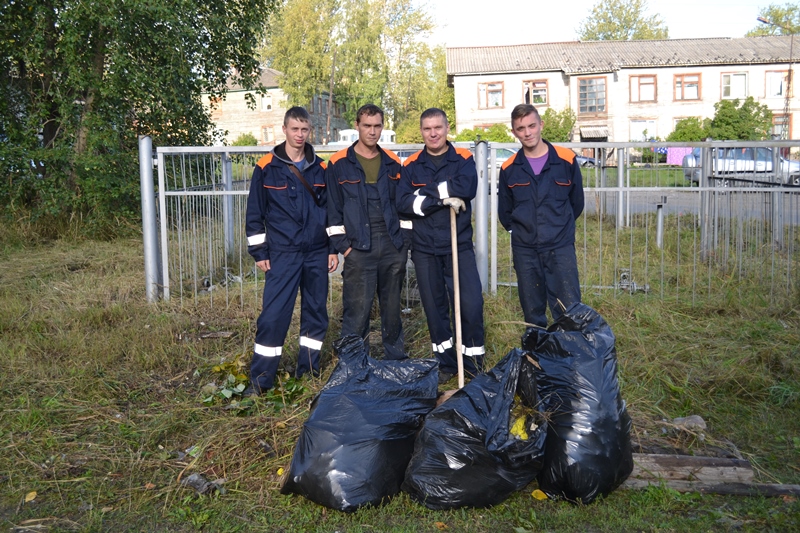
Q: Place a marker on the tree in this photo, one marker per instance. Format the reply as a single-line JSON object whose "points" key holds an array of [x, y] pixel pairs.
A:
{"points": [[689, 130], [785, 20], [557, 125], [245, 139], [740, 121], [82, 79], [498, 133], [405, 26], [621, 20], [361, 73], [301, 47]]}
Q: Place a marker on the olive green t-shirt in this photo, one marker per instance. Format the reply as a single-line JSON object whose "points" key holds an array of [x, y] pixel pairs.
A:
{"points": [[371, 167]]}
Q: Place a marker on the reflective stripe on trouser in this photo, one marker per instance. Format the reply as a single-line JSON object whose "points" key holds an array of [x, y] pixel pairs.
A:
{"points": [[289, 271], [544, 278], [381, 269], [435, 282]]}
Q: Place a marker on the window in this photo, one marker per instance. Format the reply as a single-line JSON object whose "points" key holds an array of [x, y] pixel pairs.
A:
{"points": [[592, 95], [734, 85], [643, 88], [490, 95], [642, 130], [266, 102], [535, 92], [687, 87], [781, 126], [267, 134], [776, 83]]}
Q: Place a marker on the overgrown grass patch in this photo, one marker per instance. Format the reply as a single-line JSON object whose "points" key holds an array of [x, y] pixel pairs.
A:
{"points": [[104, 412]]}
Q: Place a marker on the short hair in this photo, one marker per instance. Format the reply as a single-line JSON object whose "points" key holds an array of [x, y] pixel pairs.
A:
{"points": [[433, 112], [522, 111], [369, 110], [297, 113]]}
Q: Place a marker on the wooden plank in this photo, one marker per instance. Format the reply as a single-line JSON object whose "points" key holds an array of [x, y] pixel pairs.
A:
{"points": [[654, 467], [736, 489]]}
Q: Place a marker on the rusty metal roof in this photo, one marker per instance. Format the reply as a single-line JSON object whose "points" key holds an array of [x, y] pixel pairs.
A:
{"points": [[608, 56]]}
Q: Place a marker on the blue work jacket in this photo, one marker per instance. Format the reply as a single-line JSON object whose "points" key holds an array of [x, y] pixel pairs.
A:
{"points": [[540, 211], [281, 213], [421, 191], [348, 216]]}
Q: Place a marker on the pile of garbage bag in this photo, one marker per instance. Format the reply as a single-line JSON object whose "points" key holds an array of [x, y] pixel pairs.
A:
{"points": [[588, 447], [354, 448], [551, 411], [466, 454]]}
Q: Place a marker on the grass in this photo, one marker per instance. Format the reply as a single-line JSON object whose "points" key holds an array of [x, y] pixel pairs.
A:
{"points": [[109, 402]]}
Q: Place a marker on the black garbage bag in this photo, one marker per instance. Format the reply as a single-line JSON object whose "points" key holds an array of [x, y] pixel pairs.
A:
{"points": [[588, 449], [354, 448], [465, 455]]}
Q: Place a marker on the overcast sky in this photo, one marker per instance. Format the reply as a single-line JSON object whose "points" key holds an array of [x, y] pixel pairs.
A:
{"points": [[503, 22]]}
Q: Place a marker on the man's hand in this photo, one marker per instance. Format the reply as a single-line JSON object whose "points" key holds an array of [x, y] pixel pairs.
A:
{"points": [[263, 265], [456, 204], [333, 262]]}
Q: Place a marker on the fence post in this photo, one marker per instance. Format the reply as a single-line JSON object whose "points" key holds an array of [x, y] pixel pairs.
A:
{"points": [[227, 203], [660, 222], [482, 213], [621, 172], [777, 200], [152, 279], [705, 202]]}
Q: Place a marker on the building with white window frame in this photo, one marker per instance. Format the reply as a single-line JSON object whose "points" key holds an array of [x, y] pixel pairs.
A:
{"points": [[623, 90]]}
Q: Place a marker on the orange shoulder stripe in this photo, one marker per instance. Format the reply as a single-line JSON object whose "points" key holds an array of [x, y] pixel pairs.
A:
{"points": [[264, 161], [413, 157], [324, 165], [338, 155], [565, 153], [508, 162], [392, 155], [464, 152]]}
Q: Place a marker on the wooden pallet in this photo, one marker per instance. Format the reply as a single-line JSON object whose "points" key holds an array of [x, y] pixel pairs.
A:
{"points": [[713, 475]]}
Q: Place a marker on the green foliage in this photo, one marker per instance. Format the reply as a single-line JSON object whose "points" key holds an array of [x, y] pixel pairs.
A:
{"points": [[621, 20], [785, 20], [245, 139], [557, 125], [737, 120], [301, 47], [498, 133], [408, 131], [372, 50], [688, 130], [82, 80]]}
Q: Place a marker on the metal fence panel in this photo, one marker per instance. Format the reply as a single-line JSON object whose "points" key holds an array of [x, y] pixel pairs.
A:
{"points": [[647, 229]]}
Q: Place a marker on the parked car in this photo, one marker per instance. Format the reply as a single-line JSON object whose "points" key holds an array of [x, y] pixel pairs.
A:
{"points": [[586, 161], [730, 165], [404, 154]]}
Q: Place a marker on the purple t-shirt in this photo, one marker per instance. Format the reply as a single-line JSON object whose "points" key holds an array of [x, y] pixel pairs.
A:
{"points": [[537, 163]]}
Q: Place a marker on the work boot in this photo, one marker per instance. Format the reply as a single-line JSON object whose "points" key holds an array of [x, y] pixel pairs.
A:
{"points": [[444, 377]]}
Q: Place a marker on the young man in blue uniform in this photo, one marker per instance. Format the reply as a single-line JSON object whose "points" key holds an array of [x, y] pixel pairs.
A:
{"points": [[433, 181], [364, 227], [539, 198], [286, 219]]}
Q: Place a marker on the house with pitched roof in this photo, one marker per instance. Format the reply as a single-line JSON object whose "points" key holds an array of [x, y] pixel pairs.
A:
{"points": [[265, 120], [624, 90]]}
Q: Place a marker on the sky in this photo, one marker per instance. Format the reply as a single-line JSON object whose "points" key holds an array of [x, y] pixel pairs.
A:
{"points": [[506, 22]]}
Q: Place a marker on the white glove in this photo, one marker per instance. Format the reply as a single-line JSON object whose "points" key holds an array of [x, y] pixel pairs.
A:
{"points": [[457, 204]]}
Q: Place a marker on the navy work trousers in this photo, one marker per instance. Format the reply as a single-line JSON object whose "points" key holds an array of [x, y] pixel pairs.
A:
{"points": [[546, 278], [435, 282], [289, 271], [380, 269]]}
